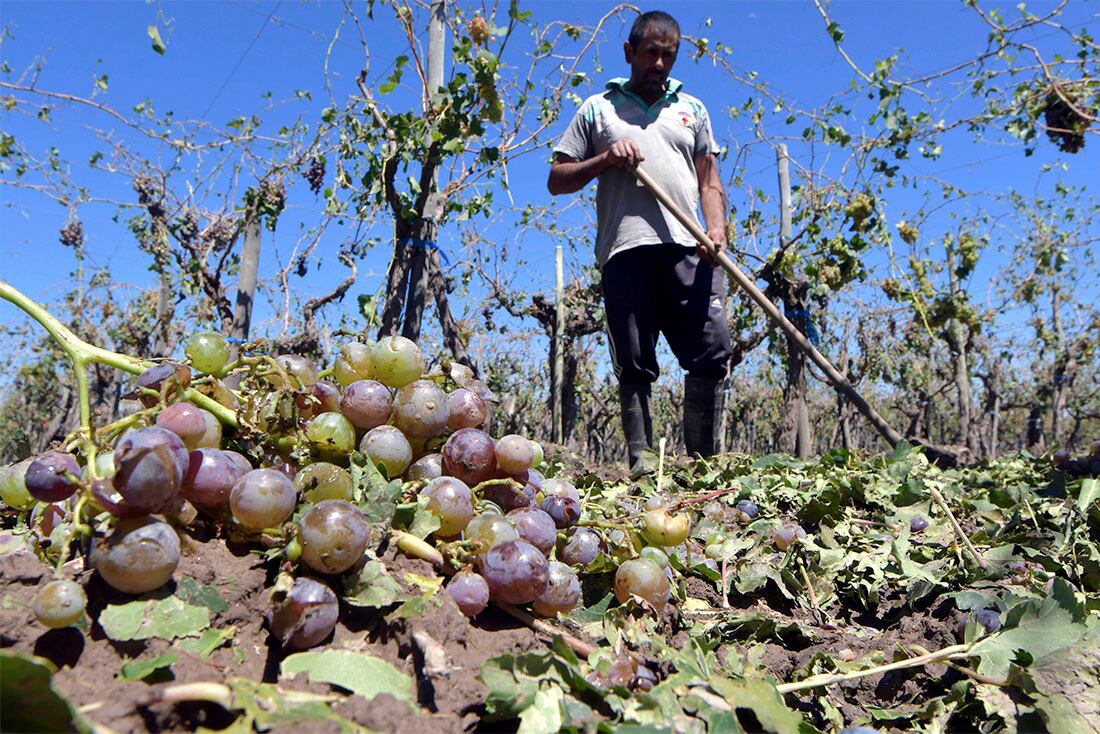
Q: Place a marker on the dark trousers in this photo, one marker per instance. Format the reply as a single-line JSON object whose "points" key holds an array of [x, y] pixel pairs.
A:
{"points": [[665, 289]]}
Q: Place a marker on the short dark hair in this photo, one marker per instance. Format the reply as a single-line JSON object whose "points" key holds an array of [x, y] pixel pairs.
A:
{"points": [[656, 20]]}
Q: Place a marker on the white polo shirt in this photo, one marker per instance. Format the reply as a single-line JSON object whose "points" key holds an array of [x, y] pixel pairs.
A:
{"points": [[670, 133]]}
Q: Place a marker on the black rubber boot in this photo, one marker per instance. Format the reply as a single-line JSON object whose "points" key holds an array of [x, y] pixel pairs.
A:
{"points": [[637, 425], [704, 399]]}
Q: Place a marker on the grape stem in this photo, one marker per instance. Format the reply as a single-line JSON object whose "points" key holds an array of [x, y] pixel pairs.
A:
{"points": [[978, 557], [81, 354], [577, 645], [827, 679]]}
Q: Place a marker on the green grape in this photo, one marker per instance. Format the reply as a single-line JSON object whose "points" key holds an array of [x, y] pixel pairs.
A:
{"points": [[333, 535], [387, 446], [59, 603], [642, 577], [324, 481], [396, 361], [208, 352], [353, 363], [654, 554], [537, 460], [488, 529], [332, 436], [13, 489]]}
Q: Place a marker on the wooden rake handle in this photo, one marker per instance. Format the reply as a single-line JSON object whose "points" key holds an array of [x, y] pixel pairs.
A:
{"points": [[745, 283]]}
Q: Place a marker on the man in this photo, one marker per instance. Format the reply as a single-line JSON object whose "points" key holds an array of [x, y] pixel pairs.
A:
{"points": [[656, 278]]}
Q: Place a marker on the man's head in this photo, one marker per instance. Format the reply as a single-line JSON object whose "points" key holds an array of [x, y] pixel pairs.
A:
{"points": [[651, 51]]}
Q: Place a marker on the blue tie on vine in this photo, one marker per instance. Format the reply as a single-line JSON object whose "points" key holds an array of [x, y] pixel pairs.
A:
{"points": [[811, 330], [426, 245]]}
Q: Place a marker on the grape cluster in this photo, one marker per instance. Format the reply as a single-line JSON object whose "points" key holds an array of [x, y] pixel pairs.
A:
{"points": [[72, 234], [315, 174], [280, 474]]}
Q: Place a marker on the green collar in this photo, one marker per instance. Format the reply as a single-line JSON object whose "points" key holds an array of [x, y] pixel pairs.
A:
{"points": [[671, 94]]}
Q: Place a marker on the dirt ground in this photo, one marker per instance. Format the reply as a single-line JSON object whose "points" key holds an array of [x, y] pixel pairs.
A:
{"points": [[88, 664]]}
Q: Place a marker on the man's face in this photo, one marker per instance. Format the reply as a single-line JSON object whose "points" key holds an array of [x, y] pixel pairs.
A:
{"points": [[651, 62]]}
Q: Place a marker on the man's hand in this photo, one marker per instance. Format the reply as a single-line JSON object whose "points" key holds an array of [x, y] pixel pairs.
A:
{"points": [[624, 154], [718, 237]]}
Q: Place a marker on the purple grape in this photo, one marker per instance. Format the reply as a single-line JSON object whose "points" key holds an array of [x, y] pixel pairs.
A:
{"points": [[470, 592], [210, 477], [536, 479], [306, 616], [786, 535], [918, 524], [535, 526], [748, 507], [420, 409], [507, 496], [580, 547], [333, 535], [514, 453], [989, 619], [150, 464], [563, 591], [197, 428], [452, 502], [263, 498], [564, 511], [109, 500], [516, 572], [559, 488], [45, 478], [428, 466], [240, 460], [367, 404], [469, 455], [465, 409], [140, 555]]}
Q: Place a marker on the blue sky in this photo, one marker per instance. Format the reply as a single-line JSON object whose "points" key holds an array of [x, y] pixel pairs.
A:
{"points": [[223, 56]]}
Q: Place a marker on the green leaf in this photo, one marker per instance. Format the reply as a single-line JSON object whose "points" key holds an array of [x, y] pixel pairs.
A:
{"points": [[28, 701], [425, 522], [1067, 686], [138, 670], [762, 699], [373, 587], [194, 592], [1090, 492], [375, 496], [543, 716], [594, 613], [208, 642], [513, 682], [166, 618], [359, 673], [154, 36], [395, 78], [1039, 630], [265, 706]]}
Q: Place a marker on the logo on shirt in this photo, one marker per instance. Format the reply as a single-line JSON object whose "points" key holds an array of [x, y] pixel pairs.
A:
{"points": [[686, 119]]}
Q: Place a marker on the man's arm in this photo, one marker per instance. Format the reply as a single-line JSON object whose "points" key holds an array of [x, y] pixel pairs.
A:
{"points": [[712, 200], [568, 175]]}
